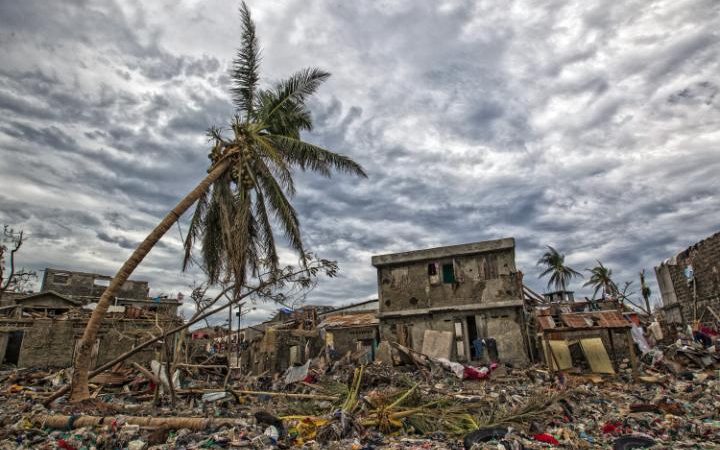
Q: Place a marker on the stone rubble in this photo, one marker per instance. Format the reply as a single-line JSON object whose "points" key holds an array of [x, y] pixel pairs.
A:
{"points": [[672, 404]]}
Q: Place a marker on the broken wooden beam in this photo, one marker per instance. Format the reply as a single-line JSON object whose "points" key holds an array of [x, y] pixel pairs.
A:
{"points": [[193, 423], [147, 374], [261, 393]]}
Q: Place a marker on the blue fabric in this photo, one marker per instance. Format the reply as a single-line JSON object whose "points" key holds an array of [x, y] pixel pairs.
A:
{"points": [[478, 345]]}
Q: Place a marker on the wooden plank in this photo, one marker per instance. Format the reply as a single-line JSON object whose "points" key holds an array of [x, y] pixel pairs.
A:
{"points": [[559, 355], [712, 311], [597, 355]]}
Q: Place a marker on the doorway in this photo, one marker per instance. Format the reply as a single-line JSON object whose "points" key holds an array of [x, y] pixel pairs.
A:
{"points": [[14, 343], [472, 335]]}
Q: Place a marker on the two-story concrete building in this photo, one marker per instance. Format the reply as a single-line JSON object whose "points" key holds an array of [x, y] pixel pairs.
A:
{"points": [[463, 302]]}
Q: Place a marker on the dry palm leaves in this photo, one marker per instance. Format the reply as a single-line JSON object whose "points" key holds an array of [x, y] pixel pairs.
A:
{"points": [[343, 423], [410, 410], [535, 409]]}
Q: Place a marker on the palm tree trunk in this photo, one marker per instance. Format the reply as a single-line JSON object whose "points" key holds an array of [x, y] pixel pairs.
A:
{"points": [[81, 364]]}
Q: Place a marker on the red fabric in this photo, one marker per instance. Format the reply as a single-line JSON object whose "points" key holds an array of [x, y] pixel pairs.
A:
{"points": [[546, 438], [64, 445], [708, 331], [471, 373], [611, 427], [310, 378]]}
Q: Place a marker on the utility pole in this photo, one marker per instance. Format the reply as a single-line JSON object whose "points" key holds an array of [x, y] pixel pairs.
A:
{"points": [[239, 318], [229, 334]]}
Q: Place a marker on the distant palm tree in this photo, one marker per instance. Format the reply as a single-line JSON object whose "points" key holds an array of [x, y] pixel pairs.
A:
{"points": [[601, 278], [249, 179], [560, 274]]}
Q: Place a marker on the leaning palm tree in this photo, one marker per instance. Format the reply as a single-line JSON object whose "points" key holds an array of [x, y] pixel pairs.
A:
{"points": [[248, 182], [554, 264], [601, 279]]}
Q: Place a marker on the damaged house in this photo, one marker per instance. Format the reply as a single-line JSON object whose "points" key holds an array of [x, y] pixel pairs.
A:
{"points": [[293, 337], [462, 302], [42, 329], [351, 329], [690, 283]]}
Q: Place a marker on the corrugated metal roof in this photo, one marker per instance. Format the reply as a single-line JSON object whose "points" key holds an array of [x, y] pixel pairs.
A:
{"points": [[350, 320], [585, 320]]}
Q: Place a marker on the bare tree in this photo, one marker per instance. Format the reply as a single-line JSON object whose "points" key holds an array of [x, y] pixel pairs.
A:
{"points": [[12, 279], [645, 291], [626, 295]]}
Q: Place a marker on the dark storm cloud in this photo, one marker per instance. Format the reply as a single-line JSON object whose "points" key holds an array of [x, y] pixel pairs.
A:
{"points": [[589, 126]]}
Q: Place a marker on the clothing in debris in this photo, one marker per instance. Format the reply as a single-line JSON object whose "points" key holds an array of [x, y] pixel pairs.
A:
{"points": [[491, 346]]}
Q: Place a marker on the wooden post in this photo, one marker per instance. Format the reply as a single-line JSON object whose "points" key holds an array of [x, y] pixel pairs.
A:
{"points": [[552, 355], [612, 347], [633, 358]]}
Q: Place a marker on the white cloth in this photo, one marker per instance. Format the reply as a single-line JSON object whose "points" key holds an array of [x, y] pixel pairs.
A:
{"points": [[639, 338], [656, 330]]}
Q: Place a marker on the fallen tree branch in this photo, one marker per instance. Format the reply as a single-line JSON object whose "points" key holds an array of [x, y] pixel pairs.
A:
{"points": [[147, 374], [192, 423], [261, 393]]}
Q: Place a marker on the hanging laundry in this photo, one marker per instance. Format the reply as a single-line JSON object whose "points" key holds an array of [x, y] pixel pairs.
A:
{"points": [[491, 346], [478, 346]]}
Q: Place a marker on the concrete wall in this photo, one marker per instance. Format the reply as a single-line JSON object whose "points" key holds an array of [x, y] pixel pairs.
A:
{"points": [[51, 342], [505, 325], [346, 339], [81, 284], [48, 343], [481, 278], [674, 287], [3, 345], [123, 337]]}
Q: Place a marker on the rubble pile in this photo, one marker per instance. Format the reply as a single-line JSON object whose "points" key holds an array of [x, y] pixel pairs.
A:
{"points": [[422, 403]]}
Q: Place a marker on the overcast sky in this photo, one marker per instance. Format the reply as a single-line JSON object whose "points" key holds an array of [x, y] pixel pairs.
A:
{"points": [[590, 126]]}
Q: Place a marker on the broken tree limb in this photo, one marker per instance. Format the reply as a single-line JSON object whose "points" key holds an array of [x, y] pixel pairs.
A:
{"points": [[236, 393], [192, 423], [147, 374], [203, 366], [288, 395]]}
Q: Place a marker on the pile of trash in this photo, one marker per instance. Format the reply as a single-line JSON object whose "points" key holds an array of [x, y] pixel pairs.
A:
{"points": [[410, 402]]}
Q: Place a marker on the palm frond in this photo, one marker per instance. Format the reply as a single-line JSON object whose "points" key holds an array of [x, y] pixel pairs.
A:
{"points": [[267, 238], [292, 92], [246, 66], [279, 166], [293, 116], [315, 158], [195, 229], [281, 207]]}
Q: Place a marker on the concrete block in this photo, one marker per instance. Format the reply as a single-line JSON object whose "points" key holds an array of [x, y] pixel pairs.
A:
{"points": [[437, 344], [383, 354], [509, 338]]}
